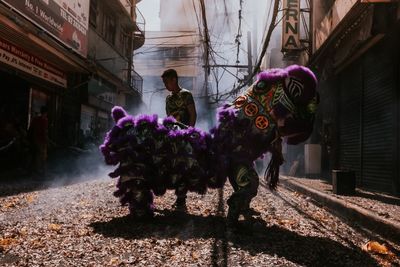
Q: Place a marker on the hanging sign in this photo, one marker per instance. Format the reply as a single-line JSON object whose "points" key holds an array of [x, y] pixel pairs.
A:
{"points": [[291, 25], [66, 20], [20, 59]]}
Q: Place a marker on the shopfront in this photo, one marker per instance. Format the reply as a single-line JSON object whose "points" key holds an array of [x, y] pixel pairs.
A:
{"points": [[33, 82], [360, 117]]}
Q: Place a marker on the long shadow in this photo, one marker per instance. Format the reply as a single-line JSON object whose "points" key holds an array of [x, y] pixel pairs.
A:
{"points": [[392, 200], [254, 236], [388, 199], [219, 254]]}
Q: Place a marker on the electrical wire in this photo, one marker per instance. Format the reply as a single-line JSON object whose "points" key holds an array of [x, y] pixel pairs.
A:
{"points": [[170, 36], [256, 68]]}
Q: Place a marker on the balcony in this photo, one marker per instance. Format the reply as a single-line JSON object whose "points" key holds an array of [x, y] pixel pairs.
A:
{"points": [[136, 82], [139, 30]]}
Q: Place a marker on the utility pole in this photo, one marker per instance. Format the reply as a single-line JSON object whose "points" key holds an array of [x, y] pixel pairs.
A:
{"points": [[249, 57], [131, 40], [311, 31], [206, 46]]}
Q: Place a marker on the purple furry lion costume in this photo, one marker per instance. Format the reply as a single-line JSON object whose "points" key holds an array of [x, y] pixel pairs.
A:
{"points": [[154, 155]]}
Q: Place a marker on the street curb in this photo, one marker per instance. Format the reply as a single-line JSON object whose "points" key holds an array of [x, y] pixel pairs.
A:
{"points": [[348, 211]]}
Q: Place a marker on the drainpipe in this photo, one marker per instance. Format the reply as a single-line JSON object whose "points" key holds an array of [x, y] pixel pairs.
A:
{"points": [[311, 32], [130, 53]]}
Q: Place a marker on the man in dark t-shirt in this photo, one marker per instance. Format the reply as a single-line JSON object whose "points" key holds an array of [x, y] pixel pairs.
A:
{"points": [[181, 106], [179, 103], [176, 105]]}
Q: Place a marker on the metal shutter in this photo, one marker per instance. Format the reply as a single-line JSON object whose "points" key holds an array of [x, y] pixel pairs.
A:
{"points": [[378, 119], [349, 119]]}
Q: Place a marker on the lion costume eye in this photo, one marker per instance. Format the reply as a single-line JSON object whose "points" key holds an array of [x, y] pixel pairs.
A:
{"points": [[294, 88], [261, 87]]}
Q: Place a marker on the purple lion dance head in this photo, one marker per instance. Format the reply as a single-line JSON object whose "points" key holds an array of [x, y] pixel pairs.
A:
{"points": [[155, 155]]}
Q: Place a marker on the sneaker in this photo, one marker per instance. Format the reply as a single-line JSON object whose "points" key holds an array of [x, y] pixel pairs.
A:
{"points": [[249, 212]]}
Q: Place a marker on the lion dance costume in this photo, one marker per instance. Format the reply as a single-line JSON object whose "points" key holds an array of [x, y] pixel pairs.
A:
{"points": [[154, 155]]}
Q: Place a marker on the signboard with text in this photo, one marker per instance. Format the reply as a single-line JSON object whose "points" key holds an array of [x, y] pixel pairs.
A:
{"points": [[66, 20], [291, 25], [24, 61]]}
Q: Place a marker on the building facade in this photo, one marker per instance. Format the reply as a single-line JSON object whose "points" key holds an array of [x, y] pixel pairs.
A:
{"points": [[177, 45], [53, 54], [356, 57], [115, 30]]}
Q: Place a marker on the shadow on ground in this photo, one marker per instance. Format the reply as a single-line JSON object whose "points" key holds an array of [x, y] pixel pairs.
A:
{"points": [[388, 199], [253, 236]]}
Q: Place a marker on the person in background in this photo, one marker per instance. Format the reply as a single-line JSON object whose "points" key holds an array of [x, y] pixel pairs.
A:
{"points": [[179, 104], [38, 135]]}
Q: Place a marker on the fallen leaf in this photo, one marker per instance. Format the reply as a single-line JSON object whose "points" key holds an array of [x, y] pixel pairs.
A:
{"points": [[283, 222], [54, 227], [4, 242], [287, 222], [87, 216], [37, 243], [114, 261], [30, 198], [83, 202], [82, 232], [195, 255], [23, 231], [207, 212], [375, 247], [10, 204]]}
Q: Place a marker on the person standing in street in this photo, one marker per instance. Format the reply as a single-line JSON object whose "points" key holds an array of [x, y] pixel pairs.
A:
{"points": [[38, 136], [179, 104]]}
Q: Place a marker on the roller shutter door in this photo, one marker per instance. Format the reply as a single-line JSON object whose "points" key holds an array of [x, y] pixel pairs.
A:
{"points": [[379, 119], [349, 119]]}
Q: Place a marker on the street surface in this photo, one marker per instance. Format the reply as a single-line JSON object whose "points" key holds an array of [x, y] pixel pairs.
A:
{"points": [[82, 224]]}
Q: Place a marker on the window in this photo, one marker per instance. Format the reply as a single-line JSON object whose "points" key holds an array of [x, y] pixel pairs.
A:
{"points": [[178, 52], [109, 28], [175, 53], [93, 13]]}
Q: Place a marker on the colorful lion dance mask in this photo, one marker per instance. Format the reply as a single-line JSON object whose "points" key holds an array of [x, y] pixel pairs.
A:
{"points": [[289, 96]]}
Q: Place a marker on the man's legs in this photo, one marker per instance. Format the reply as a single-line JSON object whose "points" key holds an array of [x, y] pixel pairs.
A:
{"points": [[141, 204], [139, 198], [180, 192], [245, 181]]}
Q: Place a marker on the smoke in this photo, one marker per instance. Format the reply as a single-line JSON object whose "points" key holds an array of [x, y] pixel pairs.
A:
{"points": [[233, 51], [150, 9], [73, 165], [237, 31]]}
